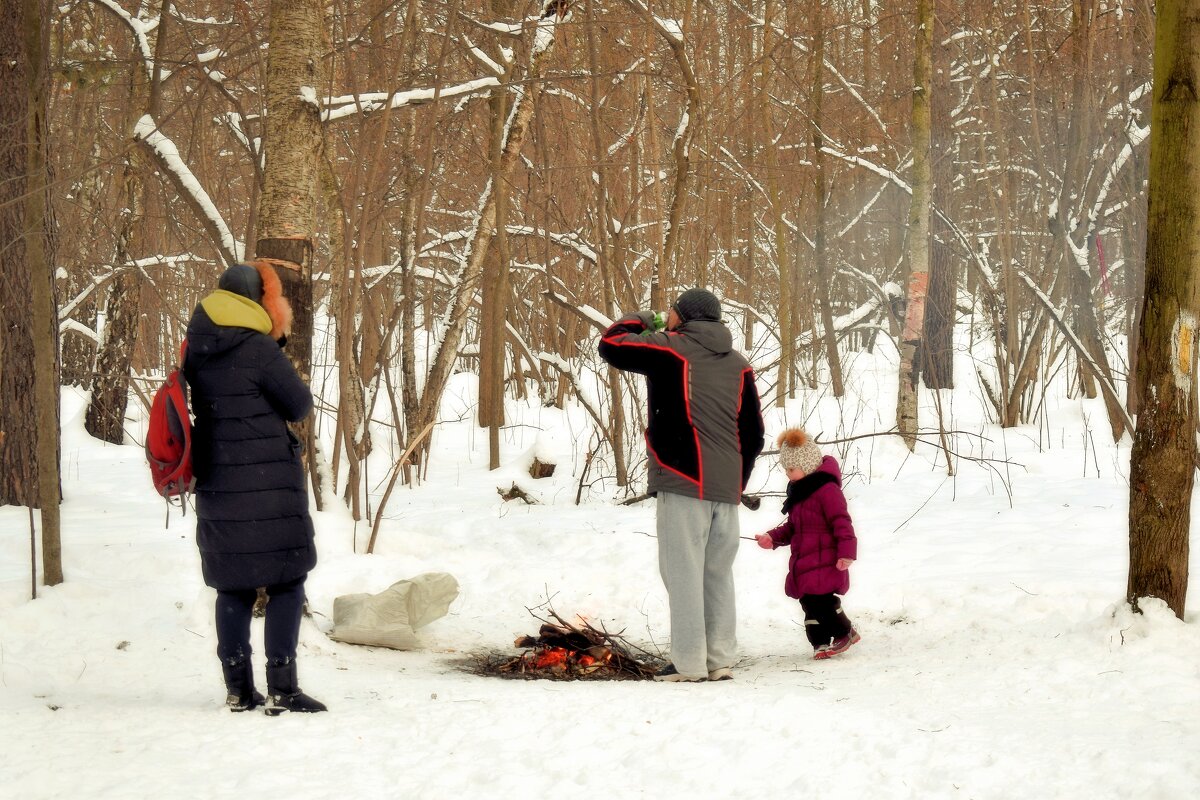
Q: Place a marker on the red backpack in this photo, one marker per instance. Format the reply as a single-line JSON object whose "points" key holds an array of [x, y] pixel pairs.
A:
{"points": [[169, 437]]}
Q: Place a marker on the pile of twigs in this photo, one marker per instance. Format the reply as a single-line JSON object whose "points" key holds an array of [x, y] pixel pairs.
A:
{"points": [[565, 650]]}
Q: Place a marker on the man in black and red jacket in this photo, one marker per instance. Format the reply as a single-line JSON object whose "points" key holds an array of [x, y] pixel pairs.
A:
{"points": [[703, 433]]}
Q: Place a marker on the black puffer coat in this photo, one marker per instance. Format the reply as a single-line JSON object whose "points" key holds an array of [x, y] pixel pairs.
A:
{"points": [[254, 528]]}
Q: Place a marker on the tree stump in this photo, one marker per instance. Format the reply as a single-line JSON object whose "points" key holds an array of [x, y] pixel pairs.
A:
{"points": [[540, 469]]}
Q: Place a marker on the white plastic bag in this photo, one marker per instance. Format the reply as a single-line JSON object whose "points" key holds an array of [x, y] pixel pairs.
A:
{"points": [[392, 617]]}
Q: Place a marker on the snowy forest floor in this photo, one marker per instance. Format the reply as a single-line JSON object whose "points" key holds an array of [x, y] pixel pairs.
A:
{"points": [[996, 661]]}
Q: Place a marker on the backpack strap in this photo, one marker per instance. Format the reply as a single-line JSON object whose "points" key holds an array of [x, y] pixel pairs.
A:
{"points": [[187, 439]]}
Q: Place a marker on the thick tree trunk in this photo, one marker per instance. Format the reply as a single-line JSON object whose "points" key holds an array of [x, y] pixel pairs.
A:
{"points": [[40, 263], [1163, 461], [293, 148], [29, 368], [918, 229]]}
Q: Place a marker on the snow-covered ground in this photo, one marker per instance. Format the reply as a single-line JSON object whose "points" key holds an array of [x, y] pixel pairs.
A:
{"points": [[997, 660]]}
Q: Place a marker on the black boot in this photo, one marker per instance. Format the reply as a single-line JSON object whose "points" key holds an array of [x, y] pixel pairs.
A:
{"points": [[239, 682], [283, 694]]}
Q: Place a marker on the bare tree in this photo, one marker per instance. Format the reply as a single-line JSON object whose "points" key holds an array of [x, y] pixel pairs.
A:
{"points": [[495, 280], [937, 370], [824, 275], [105, 417], [546, 28], [29, 368], [40, 256], [1163, 462]]}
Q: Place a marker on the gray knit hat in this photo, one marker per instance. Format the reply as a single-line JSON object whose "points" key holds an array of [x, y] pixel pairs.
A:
{"points": [[698, 304], [797, 450]]}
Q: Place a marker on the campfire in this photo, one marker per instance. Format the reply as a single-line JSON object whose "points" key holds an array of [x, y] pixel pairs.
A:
{"points": [[570, 651]]}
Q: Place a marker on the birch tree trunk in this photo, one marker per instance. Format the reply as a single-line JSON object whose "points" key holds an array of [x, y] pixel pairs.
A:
{"points": [[293, 149], [1163, 461], [918, 229]]}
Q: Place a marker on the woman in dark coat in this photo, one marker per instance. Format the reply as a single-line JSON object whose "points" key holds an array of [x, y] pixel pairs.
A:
{"points": [[253, 527]]}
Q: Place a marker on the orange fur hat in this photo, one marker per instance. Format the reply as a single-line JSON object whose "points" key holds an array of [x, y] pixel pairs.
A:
{"points": [[277, 306]]}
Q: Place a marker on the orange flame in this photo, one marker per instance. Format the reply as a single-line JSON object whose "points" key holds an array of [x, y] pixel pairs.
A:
{"points": [[551, 657]]}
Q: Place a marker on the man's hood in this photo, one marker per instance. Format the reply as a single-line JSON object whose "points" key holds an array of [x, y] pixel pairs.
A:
{"points": [[709, 334]]}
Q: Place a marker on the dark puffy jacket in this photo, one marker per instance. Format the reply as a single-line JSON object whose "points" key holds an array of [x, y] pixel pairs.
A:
{"points": [[704, 427], [819, 530], [253, 527]]}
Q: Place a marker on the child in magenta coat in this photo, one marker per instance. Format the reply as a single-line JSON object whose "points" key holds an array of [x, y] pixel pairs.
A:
{"points": [[823, 545]]}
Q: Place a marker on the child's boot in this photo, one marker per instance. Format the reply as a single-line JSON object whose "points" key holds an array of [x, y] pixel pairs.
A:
{"points": [[841, 644]]}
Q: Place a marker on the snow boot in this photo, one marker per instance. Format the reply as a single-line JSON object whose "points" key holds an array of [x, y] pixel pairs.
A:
{"points": [[283, 694], [239, 683], [840, 645]]}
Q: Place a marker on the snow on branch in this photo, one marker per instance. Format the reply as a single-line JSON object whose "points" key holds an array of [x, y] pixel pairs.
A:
{"points": [[71, 326], [486, 61], [339, 108], [667, 27], [564, 368], [626, 137], [166, 156], [584, 311], [111, 271], [140, 29], [1135, 135]]}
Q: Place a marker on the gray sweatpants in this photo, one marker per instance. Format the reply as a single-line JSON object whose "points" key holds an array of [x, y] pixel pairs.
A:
{"points": [[697, 542]]}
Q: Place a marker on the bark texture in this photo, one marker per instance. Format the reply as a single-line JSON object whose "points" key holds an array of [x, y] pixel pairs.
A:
{"points": [[1163, 462], [918, 229], [293, 150], [18, 434]]}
